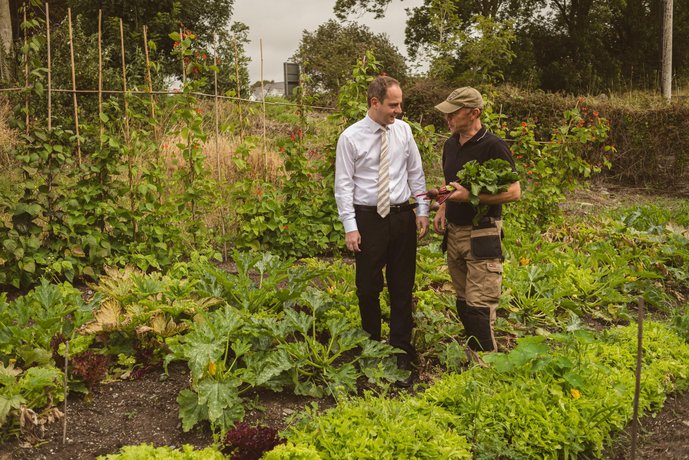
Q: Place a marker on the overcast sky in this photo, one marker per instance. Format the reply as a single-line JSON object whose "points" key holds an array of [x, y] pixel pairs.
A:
{"points": [[280, 24]]}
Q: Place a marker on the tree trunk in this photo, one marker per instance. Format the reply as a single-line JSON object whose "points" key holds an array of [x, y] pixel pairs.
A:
{"points": [[666, 67], [5, 39]]}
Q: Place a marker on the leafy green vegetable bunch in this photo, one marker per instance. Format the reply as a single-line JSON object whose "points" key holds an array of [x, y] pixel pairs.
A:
{"points": [[492, 177]]}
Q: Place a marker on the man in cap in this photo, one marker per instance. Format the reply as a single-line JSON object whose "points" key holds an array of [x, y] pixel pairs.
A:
{"points": [[474, 252]]}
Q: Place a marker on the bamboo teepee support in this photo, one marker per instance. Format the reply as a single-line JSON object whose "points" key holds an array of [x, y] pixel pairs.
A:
{"points": [[100, 70], [149, 80], [74, 84], [217, 151], [239, 91], [263, 98], [50, 68], [27, 96], [125, 106]]}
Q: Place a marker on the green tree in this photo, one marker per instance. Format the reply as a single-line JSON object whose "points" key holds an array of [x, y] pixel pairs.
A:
{"points": [[575, 46], [203, 17], [327, 55]]}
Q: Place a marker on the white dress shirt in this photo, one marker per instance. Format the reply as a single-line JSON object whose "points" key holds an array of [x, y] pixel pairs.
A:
{"points": [[356, 168]]}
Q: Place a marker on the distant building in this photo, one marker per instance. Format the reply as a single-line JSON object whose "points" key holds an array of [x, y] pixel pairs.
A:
{"points": [[276, 89]]}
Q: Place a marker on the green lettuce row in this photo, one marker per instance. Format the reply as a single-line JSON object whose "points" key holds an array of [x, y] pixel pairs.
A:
{"points": [[149, 452], [551, 397]]}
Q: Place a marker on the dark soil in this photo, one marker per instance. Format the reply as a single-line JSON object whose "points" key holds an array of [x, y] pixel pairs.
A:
{"points": [[131, 412], [139, 411], [145, 410], [665, 436]]}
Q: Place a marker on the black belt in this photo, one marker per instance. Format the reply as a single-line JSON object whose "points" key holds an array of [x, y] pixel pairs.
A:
{"points": [[395, 208]]}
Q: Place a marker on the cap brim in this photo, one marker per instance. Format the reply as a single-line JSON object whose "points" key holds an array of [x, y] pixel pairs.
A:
{"points": [[447, 107]]}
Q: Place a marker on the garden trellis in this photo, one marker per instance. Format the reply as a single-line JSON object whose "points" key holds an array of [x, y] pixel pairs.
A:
{"points": [[125, 91], [34, 99]]}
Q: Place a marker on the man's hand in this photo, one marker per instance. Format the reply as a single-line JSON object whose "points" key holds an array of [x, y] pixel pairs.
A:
{"points": [[422, 226], [460, 195], [439, 221], [353, 240]]}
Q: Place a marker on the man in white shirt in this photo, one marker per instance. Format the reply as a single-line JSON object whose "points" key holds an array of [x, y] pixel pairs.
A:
{"points": [[378, 169]]}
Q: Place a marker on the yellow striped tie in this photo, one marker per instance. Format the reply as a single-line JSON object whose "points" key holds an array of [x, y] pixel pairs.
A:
{"points": [[384, 176]]}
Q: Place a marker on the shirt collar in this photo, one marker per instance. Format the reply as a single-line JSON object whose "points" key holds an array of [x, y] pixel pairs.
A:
{"points": [[480, 134], [373, 125]]}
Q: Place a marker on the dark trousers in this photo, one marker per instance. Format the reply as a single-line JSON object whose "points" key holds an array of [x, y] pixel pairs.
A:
{"points": [[388, 242]]}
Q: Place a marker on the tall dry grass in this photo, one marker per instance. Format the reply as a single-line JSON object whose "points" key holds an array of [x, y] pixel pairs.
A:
{"points": [[221, 156], [8, 136]]}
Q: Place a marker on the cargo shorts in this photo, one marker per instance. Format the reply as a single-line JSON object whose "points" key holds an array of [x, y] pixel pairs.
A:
{"points": [[474, 260]]}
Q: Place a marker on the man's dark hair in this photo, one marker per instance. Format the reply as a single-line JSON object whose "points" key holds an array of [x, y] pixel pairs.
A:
{"points": [[378, 88]]}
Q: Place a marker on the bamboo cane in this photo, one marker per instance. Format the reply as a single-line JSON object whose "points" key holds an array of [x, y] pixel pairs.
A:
{"points": [[263, 97], [100, 71], [148, 78], [637, 388], [27, 95], [50, 68], [184, 68], [74, 85], [217, 152], [66, 393], [130, 160], [239, 90]]}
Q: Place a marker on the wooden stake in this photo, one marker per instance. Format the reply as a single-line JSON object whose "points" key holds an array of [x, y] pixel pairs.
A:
{"points": [[217, 114], [637, 388], [26, 75], [239, 90], [130, 161], [148, 77], [217, 149], [100, 70], [50, 79], [263, 97], [181, 48], [66, 393], [124, 85], [74, 84]]}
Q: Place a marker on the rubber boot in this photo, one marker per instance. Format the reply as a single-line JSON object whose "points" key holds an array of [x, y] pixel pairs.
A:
{"points": [[478, 327]]}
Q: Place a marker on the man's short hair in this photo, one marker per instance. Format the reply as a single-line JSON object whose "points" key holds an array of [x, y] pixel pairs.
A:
{"points": [[378, 88]]}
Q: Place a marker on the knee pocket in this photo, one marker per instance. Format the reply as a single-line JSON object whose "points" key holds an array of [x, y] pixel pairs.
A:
{"points": [[486, 283]]}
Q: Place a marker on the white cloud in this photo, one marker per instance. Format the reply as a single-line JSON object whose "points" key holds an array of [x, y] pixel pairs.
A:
{"points": [[279, 24]]}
